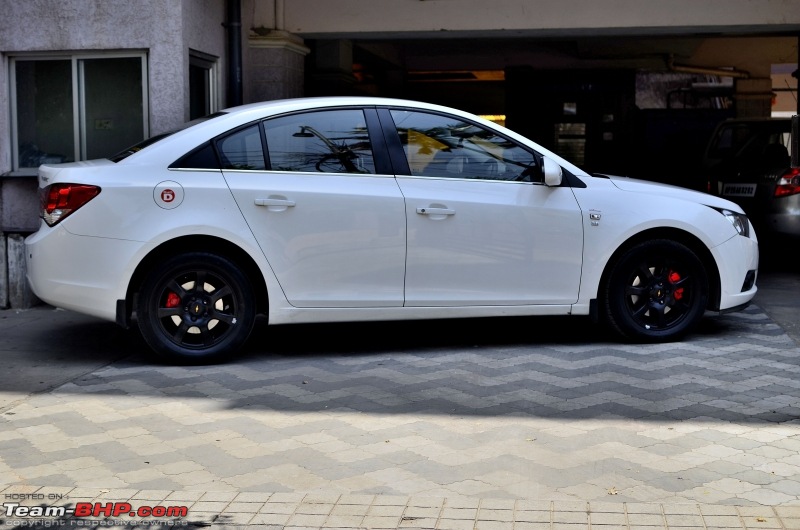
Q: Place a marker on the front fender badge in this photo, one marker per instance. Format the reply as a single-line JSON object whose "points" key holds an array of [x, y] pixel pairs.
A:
{"points": [[168, 194]]}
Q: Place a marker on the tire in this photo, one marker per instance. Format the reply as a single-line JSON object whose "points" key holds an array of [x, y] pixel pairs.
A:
{"points": [[656, 291], [185, 321]]}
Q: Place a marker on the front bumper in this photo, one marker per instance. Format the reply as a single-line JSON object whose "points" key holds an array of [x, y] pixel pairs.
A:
{"points": [[737, 260]]}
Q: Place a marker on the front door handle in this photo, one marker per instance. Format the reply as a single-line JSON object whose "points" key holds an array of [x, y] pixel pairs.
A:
{"points": [[436, 211]]}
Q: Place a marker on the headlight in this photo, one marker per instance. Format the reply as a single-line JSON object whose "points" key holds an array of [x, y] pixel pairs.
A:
{"points": [[738, 220]]}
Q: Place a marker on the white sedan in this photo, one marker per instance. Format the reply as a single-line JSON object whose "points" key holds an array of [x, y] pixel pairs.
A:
{"points": [[354, 209]]}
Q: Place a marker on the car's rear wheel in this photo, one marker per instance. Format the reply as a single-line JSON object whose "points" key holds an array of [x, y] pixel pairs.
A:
{"points": [[196, 308], [656, 290]]}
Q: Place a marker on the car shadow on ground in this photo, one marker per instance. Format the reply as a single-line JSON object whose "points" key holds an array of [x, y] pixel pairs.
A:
{"points": [[421, 335], [561, 367]]}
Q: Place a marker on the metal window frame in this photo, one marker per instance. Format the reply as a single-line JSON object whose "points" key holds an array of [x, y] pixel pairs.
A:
{"points": [[78, 95], [210, 64]]}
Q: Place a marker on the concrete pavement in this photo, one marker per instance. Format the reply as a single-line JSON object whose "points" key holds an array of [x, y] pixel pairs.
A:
{"points": [[544, 423]]}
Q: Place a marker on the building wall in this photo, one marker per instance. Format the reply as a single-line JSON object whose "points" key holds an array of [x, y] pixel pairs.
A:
{"points": [[527, 17], [165, 30], [203, 31], [39, 26]]}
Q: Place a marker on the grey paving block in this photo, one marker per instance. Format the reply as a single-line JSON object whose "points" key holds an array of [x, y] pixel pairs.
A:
{"points": [[553, 417]]}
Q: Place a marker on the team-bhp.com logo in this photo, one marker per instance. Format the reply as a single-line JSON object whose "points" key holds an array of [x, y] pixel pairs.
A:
{"points": [[117, 512]]}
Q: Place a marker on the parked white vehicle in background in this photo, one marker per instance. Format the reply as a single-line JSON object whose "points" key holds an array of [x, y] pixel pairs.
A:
{"points": [[352, 209]]}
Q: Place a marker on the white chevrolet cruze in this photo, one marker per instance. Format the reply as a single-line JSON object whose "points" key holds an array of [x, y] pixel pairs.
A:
{"points": [[352, 209]]}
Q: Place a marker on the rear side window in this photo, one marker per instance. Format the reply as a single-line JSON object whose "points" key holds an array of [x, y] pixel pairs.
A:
{"points": [[242, 150], [330, 141], [204, 157]]}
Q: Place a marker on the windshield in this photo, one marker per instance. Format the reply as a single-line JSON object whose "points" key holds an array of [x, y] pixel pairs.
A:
{"points": [[125, 153]]}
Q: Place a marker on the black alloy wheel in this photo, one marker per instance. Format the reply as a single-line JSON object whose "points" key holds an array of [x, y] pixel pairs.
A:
{"points": [[196, 308], [657, 290]]}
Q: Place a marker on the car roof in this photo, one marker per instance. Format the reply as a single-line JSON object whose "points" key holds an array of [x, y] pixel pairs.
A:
{"points": [[188, 137], [288, 105], [182, 141]]}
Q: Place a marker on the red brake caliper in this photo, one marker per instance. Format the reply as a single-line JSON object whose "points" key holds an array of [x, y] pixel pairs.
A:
{"points": [[674, 277], [173, 300]]}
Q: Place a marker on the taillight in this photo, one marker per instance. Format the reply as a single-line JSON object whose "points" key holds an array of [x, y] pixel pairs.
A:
{"points": [[60, 200], [788, 183]]}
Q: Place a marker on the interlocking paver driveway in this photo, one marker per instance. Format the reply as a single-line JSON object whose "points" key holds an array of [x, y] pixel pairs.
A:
{"points": [[537, 409]]}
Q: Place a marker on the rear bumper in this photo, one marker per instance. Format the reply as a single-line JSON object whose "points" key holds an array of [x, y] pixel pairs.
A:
{"points": [[784, 223], [96, 278]]}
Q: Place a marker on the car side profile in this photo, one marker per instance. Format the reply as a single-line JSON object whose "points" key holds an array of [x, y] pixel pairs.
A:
{"points": [[354, 209]]}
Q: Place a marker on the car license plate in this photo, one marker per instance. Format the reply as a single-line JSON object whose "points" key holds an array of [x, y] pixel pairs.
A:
{"points": [[738, 190]]}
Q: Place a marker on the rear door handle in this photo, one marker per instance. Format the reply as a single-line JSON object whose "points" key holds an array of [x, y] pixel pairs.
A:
{"points": [[275, 204]]}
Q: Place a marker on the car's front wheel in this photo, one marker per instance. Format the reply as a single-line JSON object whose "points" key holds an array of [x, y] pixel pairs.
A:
{"points": [[656, 290], [196, 308]]}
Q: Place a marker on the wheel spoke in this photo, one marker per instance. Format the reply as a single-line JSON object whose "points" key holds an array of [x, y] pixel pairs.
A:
{"points": [[683, 280], [200, 282], [636, 290], [180, 332], [164, 312], [639, 311], [644, 273], [680, 306], [226, 318], [220, 293], [660, 315], [207, 336], [176, 288]]}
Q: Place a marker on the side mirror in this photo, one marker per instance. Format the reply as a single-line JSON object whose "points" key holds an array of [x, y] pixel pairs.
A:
{"points": [[552, 172]]}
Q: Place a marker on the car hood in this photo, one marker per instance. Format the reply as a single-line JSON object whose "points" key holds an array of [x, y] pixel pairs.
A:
{"points": [[668, 190]]}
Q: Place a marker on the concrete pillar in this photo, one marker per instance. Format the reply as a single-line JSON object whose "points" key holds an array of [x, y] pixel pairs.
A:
{"points": [[753, 97], [276, 68], [333, 68], [3, 273], [20, 295], [19, 209]]}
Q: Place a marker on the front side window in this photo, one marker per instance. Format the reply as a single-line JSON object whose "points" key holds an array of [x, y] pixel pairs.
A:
{"points": [[76, 107], [448, 147], [331, 141]]}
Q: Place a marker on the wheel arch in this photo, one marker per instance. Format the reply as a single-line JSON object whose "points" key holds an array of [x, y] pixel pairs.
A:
{"points": [[680, 236], [193, 243]]}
